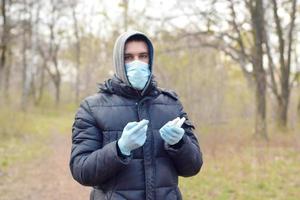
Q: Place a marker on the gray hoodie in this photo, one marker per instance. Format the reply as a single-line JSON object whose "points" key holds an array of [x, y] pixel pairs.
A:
{"points": [[118, 56]]}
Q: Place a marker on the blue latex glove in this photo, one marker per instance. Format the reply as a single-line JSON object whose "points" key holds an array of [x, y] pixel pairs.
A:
{"points": [[133, 136], [172, 132]]}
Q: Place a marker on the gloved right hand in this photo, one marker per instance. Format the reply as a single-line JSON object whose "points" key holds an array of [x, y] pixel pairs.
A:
{"points": [[133, 136]]}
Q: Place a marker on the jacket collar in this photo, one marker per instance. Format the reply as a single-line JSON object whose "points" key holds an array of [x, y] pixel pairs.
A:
{"points": [[115, 85]]}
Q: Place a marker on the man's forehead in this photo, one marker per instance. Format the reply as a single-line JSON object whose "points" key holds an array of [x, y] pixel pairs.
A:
{"points": [[136, 47]]}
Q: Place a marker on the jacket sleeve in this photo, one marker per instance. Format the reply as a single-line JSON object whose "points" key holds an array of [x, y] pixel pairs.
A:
{"points": [[91, 163], [186, 156]]}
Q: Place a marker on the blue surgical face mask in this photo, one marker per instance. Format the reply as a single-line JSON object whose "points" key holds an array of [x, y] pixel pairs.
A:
{"points": [[138, 73]]}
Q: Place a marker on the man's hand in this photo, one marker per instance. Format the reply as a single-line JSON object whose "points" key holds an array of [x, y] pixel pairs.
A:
{"points": [[133, 136], [172, 132]]}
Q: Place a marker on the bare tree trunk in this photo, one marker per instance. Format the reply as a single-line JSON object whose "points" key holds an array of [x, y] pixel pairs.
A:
{"points": [[285, 63], [25, 78], [3, 46], [38, 70], [57, 90], [78, 54], [27, 63], [53, 52], [57, 75], [25, 84], [257, 17], [57, 78], [7, 77], [260, 96], [41, 87], [125, 4]]}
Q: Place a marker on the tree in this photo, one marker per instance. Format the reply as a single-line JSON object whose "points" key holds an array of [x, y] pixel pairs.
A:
{"points": [[284, 51], [243, 46], [52, 47], [5, 51], [242, 36], [26, 24], [257, 18], [77, 49], [125, 6]]}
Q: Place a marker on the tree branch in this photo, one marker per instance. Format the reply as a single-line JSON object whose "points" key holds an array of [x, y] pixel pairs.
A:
{"points": [[290, 37]]}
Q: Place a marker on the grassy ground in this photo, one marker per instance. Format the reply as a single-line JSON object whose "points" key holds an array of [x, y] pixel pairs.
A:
{"points": [[26, 135], [236, 166]]}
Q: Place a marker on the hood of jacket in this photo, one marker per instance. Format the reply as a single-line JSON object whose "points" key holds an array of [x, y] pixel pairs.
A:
{"points": [[118, 57]]}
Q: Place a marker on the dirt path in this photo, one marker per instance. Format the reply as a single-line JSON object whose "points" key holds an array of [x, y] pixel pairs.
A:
{"points": [[46, 178]]}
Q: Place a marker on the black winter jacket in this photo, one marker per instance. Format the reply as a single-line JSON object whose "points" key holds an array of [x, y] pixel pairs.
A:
{"points": [[151, 172]]}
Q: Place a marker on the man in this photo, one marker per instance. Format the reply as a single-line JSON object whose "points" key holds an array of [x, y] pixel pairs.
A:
{"points": [[132, 139]]}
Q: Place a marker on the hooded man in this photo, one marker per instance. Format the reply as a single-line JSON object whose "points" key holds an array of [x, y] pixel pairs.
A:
{"points": [[132, 140]]}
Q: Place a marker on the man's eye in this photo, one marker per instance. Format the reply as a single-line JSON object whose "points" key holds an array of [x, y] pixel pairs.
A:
{"points": [[144, 56]]}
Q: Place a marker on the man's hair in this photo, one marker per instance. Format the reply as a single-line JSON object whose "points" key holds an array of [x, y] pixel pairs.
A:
{"points": [[137, 38]]}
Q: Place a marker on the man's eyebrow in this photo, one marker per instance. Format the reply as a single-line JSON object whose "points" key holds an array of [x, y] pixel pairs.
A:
{"points": [[129, 54]]}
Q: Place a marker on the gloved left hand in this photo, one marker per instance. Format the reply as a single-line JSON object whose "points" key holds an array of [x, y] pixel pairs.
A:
{"points": [[172, 132], [133, 136]]}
